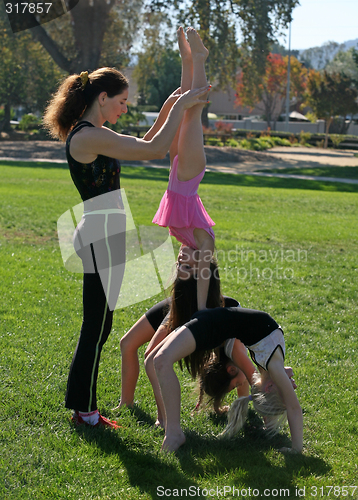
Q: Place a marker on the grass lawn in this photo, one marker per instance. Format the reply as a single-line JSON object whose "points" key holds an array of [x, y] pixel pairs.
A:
{"points": [[324, 171], [284, 246]]}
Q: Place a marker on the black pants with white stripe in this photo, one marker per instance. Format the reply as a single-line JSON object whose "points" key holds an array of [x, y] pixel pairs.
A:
{"points": [[103, 263]]}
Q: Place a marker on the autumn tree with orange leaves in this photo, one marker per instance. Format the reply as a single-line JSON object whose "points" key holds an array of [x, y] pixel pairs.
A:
{"points": [[268, 91]]}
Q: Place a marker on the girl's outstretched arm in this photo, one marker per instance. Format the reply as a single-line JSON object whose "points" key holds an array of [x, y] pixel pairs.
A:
{"points": [[294, 412], [163, 115], [205, 253], [242, 360]]}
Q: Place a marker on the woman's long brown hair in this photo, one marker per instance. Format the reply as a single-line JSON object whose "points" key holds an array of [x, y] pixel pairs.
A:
{"points": [[72, 98]]}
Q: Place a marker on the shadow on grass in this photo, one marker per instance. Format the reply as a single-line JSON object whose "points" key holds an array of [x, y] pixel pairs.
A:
{"points": [[161, 174], [142, 417], [243, 460], [146, 470]]}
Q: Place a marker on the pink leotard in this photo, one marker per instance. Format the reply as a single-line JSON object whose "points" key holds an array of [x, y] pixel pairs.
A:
{"points": [[181, 209]]}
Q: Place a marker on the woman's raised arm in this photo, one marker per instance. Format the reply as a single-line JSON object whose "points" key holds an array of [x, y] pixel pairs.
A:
{"points": [[108, 143]]}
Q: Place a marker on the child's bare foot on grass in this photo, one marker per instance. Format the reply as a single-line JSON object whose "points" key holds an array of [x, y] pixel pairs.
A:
{"points": [[197, 47], [173, 441]]}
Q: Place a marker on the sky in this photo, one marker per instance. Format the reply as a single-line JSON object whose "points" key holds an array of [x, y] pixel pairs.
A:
{"points": [[318, 21]]}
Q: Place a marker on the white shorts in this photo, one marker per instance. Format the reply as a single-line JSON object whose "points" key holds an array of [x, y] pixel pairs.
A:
{"points": [[262, 352]]}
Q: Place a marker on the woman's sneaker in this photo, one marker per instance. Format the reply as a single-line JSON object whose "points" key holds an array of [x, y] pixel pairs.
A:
{"points": [[102, 422]]}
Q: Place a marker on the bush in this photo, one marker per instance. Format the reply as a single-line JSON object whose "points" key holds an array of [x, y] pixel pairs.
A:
{"points": [[263, 144], [269, 140], [29, 122], [280, 141], [293, 139], [336, 139], [255, 144], [214, 141], [224, 127], [245, 144], [232, 143], [304, 137]]}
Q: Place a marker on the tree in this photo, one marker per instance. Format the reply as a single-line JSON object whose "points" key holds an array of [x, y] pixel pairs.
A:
{"points": [[158, 69], [28, 75], [271, 88], [319, 57], [93, 31], [344, 62], [331, 95], [217, 23]]}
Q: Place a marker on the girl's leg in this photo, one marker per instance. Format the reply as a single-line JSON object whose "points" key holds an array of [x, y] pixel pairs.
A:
{"points": [[178, 344], [158, 337], [191, 153], [139, 334], [186, 80]]}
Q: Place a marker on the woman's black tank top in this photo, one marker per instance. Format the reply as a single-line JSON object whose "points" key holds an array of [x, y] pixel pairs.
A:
{"points": [[98, 177]]}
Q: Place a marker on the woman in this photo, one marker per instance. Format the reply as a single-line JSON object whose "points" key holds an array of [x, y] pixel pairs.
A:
{"points": [[76, 114]]}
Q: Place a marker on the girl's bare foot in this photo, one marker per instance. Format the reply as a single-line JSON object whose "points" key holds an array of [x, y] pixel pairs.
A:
{"points": [[123, 405], [173, 441], [197, 47], [184, 47]]}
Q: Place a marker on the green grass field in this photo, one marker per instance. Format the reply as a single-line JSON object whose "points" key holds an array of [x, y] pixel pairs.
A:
{"points": [[324, 171], [284, 246]]}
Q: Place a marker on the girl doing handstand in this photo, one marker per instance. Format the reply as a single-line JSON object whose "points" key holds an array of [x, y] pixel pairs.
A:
{"points": [[181, 209]]}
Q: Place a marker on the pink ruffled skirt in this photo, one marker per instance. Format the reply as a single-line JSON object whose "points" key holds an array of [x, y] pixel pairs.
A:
{"points": [[177, 210]]}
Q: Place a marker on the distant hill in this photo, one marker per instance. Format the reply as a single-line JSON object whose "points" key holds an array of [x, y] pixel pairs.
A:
{"points": [[319, 57]]}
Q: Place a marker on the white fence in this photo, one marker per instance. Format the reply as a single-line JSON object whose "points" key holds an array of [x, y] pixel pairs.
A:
{"points": [[293, 127]]}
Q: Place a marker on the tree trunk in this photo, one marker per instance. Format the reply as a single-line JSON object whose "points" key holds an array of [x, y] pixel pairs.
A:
{"points": [[328, 124], [40, 35], [5, 123], [90, 19]]}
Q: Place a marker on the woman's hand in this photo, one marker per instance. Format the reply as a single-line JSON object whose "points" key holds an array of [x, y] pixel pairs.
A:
{"points": [[193, 97], [174, 96]]}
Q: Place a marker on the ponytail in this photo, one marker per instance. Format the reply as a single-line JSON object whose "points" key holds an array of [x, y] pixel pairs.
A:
{"points": [[75, 94], [269, 405], [236, 416]]}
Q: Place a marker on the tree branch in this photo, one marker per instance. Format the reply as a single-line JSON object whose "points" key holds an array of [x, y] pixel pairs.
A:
{"points": [[40, 35]]}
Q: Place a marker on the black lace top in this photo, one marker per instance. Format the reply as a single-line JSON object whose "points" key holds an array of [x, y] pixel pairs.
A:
{"points": [[98, 177]]}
